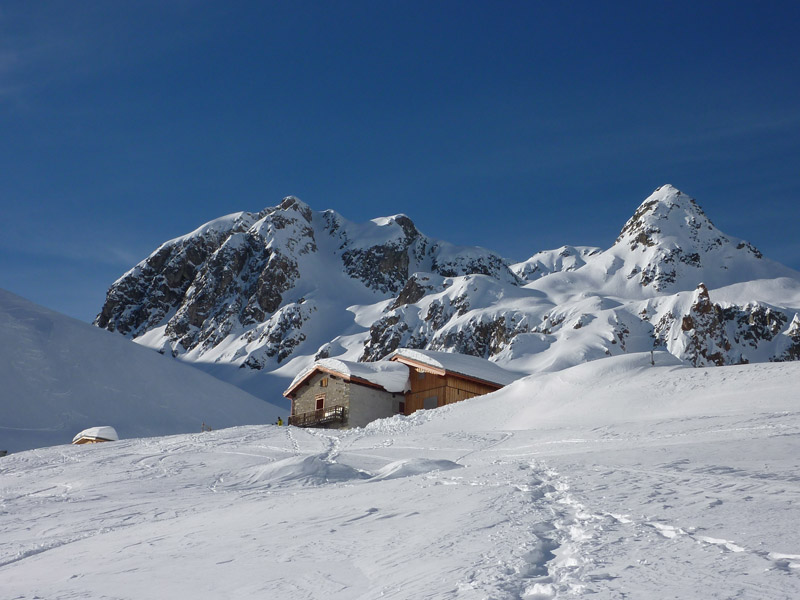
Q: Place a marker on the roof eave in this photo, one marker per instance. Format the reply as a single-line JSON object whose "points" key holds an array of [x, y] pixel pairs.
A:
{"points": [[442, 372], [346, 377]]}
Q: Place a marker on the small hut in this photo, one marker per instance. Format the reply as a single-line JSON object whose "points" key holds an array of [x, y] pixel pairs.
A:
{"points": [[93, 435]]}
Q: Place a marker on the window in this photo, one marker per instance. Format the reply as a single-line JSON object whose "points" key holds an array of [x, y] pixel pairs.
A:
{"points": [[320, 401], [431, 402], [420, 374], [323, 382]]}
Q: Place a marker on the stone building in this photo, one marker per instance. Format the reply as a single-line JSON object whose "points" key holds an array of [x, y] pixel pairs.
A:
{"points": [[336, 393]]}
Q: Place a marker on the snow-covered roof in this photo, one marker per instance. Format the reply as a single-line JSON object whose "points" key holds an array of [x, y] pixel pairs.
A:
{"points": [[390, 375], [106, 432], [462, 364]]}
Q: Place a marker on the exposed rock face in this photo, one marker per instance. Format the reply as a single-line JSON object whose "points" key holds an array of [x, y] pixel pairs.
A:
{"points": [[385, 264], [280, 335], [669, 244], [203, 286], [703, 329], [790, 344], [245, 278], [436, 314], [257, 290], [709, 334], [417, 287], [484, 335]]}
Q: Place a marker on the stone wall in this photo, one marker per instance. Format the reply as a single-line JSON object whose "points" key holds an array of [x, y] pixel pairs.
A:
{"points": [[368, 404], [337, 392], [364, 404]]}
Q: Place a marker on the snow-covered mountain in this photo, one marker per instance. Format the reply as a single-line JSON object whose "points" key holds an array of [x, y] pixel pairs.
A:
{"points": [[60, 376], [243, 288], [271, 291], [669, 245]]}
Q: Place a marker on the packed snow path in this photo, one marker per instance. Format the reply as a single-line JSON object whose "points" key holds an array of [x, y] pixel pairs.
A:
{"points": [[441, 505]]}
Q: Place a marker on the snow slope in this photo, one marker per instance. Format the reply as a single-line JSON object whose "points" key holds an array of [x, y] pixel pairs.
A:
{"points": [[608, 480], [60, 376]]}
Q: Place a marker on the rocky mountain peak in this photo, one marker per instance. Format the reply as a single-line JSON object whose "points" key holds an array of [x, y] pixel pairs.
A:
{"points": [[669, 244], [293, 203], [666, 212], [251, 282], [407, 225]]}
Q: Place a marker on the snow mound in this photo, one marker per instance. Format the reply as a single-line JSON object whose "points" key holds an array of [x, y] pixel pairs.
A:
{"points": [[302, 470], [565, 258], [414, 466]]}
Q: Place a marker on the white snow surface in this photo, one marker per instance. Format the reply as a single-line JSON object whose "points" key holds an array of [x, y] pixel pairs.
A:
{"points": [[565, 258], [105, 432], [391, 376], [472, 366], [609, 480], [60, 376]]}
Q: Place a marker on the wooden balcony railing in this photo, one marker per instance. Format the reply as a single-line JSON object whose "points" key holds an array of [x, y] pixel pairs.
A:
{"points": [[323, 416]]}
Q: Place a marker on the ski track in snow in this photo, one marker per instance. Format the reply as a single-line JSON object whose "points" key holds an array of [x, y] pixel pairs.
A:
{"points": [[430, 507]]}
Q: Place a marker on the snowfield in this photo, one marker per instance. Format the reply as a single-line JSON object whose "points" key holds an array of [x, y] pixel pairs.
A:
{"points": [[59, 376], [613, 479]]}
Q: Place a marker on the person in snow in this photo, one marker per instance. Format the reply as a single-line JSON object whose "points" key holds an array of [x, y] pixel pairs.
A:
{"points": [[280, 421]]}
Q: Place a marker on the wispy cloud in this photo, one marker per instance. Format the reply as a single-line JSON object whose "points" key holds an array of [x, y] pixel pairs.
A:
{"points": [[34, 58], [543, 146], [98, 252], [44, 44]]}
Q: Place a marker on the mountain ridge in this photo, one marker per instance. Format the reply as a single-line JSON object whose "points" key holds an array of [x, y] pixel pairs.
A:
{"points": [[271, 291]]}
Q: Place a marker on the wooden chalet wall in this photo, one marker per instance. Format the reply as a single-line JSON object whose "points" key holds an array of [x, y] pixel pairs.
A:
{"points": [[446, 389]]}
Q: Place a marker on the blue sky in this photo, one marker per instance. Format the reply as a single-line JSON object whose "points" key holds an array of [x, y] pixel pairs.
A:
{"points": [[518, 126]]}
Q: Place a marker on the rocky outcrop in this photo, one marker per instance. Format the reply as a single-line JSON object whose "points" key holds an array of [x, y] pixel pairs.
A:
{"points": [[256, 290], [789, 348], [703, 340], [203, 286], [484, 335], [237, 281], [709, 334]]}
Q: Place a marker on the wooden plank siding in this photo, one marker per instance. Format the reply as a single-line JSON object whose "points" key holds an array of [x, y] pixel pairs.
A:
{"points": [[447, 388]]}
